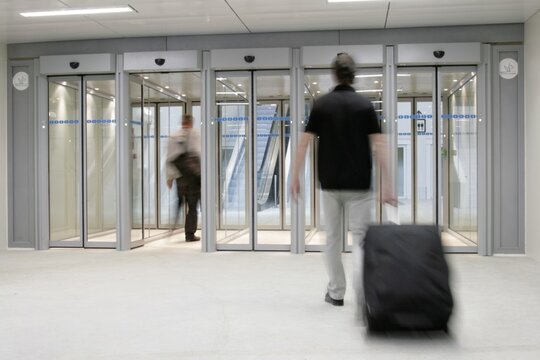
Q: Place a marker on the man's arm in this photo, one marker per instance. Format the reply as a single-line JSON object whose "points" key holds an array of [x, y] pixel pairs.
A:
{"points": [[305, 140], [380, 150]]}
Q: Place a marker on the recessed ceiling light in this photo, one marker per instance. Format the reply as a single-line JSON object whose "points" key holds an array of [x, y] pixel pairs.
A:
{"points": [[67, 12], [221, 78], [445, 89], [240, 85], [318, 91], [166, 87], [314, 83], [184, 95], [146, 78], [376, 82], [455, 80], [97, 89]]}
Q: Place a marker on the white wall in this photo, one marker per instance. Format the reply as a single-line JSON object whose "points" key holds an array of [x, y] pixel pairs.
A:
{"points": [[3, 147], [532, 136]]}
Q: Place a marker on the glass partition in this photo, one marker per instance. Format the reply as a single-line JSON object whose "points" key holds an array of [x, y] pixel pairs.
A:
{"points": [[460, 154], [232, 92], [65, 170], [101, 160]]}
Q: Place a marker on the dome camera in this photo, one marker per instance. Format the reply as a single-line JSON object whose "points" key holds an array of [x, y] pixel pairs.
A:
{"points": [[249, 58], [160, 61], [74, 65], [439, 54]]}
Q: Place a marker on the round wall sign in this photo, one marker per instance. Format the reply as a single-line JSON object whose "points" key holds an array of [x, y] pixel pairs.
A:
{"points": [[20, 81], [508, 68]]}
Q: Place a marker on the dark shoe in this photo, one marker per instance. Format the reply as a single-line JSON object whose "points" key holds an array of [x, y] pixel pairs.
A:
{"points": [[194, 238], [334, 302]]}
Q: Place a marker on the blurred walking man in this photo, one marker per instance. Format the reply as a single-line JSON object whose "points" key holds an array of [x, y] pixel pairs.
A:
{"points": [[184, 166], [348, 131]]}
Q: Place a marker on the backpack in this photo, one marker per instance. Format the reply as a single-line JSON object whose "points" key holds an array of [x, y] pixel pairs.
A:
{"points": [[189, 164]]}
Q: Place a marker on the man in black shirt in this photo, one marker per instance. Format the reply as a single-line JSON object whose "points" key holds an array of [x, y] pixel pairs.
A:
{"points": [[347, 129]]}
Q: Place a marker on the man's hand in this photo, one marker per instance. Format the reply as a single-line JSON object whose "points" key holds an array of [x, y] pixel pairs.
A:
{"points": [[388, 196], [169, 183], [295, 188]]}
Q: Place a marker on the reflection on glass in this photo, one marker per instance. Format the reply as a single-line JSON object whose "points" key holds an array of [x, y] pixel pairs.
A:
{"points": [[462, 163], [101, 160], [232, 119], [65, 203]]}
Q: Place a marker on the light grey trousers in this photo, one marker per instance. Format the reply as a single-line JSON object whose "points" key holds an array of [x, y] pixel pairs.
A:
{"points": [[359, 205]]}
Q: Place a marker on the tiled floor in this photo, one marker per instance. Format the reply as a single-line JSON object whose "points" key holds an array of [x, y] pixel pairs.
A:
{"points": [[170, 301]]}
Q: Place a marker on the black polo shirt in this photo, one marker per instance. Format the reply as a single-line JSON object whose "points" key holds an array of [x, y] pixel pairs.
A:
{"points": [[343, 121]]}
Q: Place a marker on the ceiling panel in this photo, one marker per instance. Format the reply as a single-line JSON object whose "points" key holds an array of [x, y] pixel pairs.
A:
{"points": [[285, 15], [175, 26], [459, 12], [314, 21], [188, 17], [78, 30]]}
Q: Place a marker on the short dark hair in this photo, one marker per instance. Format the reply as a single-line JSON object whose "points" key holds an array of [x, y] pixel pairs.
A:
{"points": [[344, 68], [187, 119]]}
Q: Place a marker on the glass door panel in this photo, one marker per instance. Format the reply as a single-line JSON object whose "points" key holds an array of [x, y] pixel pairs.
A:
{"points": [[425, 161], [136, 158], [459, 155], [416, 150], [232, 102], [272, 88], [405, 161], [170, 120], [100, 160], [149, 161], [65, 169]]}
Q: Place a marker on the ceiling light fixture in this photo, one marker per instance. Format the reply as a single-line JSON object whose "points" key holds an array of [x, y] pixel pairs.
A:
{"points": [[111, 10]]}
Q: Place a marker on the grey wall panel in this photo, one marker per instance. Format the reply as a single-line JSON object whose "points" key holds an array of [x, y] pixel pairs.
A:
{"points": [[87, 64], [454, 54], [269, 58], [508, 33], [508, 151], [262, 40], [110, 46], [322, 56], [21, 158], [174, 61]]}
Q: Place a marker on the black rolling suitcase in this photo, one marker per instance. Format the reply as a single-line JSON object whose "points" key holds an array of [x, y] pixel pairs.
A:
{"points": [[406, 281]]}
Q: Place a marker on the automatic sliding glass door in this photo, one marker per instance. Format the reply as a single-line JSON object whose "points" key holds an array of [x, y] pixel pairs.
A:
{"points": [[82, 161], [437, 151], [253, 125]]}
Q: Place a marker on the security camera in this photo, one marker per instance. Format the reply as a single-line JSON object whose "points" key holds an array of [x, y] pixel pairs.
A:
{"points": [[160, 61], [249, 58], [74, 65], [439, 54]]}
